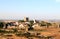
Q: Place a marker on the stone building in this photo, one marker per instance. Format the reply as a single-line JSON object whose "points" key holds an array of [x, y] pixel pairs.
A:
{"points": [[26, 19]]}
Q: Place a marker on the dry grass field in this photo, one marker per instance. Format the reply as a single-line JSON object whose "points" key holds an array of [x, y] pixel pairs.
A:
{"points": [[54, 33]]}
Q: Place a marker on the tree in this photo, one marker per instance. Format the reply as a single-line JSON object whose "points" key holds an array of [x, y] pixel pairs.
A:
{"points": [[43, 23], [21, 21], [48, 24], [31, 22], [1, 24]]}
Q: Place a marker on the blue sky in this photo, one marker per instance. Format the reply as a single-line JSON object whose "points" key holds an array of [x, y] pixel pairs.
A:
{"points": [[34, 9]]}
